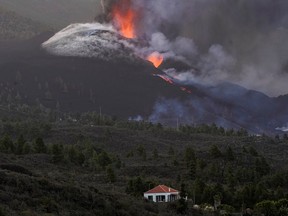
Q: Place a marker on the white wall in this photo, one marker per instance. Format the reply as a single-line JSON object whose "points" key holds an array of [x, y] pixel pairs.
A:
{"points": [[160, 194]]}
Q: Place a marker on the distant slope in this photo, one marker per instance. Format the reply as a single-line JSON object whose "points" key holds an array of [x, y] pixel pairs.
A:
{"points": [[56, 13], [13, 26]]}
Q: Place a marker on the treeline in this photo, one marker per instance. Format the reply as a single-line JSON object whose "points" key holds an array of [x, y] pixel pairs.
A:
{"points": [[19, 112], [94, 118], [84, 154]]}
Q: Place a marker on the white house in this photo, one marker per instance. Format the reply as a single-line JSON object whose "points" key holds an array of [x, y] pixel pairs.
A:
{"points": [[162, 193]]}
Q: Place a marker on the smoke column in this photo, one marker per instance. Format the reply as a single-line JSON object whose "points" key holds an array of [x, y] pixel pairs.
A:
{"points": [[103, 6]]}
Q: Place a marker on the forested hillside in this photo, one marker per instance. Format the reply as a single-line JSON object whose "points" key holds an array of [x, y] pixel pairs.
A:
{"points": [[90, 163], [13, 26]]}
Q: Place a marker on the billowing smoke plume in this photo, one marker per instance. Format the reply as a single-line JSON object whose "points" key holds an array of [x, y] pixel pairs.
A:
{"points": [[240, 41]]}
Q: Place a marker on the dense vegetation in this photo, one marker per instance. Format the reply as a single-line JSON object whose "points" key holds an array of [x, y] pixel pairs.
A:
{"points": [[54, 163], [13, 26]]}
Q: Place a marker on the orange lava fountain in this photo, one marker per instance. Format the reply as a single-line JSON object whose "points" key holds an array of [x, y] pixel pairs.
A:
{"points": [[124, 18], [155, 58]]}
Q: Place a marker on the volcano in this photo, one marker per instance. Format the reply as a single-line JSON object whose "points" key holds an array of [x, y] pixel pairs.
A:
{"points": [[92, 40], [93, 68]]}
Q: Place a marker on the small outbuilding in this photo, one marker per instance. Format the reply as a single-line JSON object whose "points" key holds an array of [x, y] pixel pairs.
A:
{"points": [[162, 193]]}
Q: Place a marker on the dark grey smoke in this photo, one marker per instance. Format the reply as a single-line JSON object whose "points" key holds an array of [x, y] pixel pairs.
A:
{"points": [[241, 41]]}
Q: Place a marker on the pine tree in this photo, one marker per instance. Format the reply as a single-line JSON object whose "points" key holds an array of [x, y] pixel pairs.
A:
{"points": [[110, 174], [140, 150], [171, 151], [72, 154], [182, 205], [118, 162], [6, 145], [190, 156], [2, 212], [253, 151], [229, 154], [155, 154], [39, 146], [26, 148], [20, 145], [192, 170], [57, 151], [215, 152], [103, 159]]}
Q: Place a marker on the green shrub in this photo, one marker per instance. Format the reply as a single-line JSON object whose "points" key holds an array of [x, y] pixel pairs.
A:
{"points": [[2, 212], [266, 207]]}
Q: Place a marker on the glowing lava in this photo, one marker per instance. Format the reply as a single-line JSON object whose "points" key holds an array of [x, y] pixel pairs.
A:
{"points": [[165, 78], [156, 59], [186, 90], [124, 18]]}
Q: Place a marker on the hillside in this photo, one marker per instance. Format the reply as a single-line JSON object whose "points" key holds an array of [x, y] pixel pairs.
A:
{"points": [[55, 13], [93, 164], [14, 26]]}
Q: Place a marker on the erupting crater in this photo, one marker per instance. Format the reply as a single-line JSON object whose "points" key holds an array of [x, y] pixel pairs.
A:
{"points": [[124, 18]]}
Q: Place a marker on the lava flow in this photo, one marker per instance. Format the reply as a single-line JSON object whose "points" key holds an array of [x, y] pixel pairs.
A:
{"points": [[156, 59], [124, 18]]}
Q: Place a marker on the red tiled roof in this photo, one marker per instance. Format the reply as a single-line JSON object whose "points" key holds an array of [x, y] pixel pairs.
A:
{"points": [[162, 189]]}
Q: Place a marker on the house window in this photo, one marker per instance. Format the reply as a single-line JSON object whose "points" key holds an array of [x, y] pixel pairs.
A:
{"points": [[160, 198], [172, 197], [150, 198]]}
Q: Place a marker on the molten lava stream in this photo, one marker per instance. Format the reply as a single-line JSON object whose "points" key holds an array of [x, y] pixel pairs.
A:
{"points": [[156, 59]]}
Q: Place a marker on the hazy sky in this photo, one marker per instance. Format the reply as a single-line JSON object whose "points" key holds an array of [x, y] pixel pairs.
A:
{"points": [[56, 13]]}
